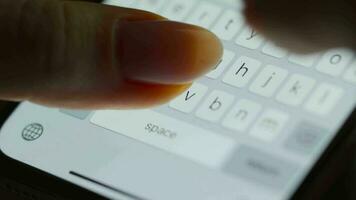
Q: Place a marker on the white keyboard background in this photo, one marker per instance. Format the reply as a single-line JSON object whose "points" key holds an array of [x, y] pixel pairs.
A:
{"points": [[259, 93]]}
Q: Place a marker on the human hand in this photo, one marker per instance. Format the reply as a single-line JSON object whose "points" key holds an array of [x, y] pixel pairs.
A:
{"points": [[305, 26], [84, 55]]}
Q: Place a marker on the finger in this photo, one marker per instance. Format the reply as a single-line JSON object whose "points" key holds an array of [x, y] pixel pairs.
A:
{"points": [[305, 25], [85, 55], [94, 1]]}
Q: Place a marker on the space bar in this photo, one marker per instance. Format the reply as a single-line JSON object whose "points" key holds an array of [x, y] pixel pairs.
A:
{"points": [[168, 134]]}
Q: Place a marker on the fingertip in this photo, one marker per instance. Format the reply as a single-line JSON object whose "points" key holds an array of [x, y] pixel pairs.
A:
{"points": [[160, 95], [251, 14], [141, 95], [166, 52], [207, 50]]}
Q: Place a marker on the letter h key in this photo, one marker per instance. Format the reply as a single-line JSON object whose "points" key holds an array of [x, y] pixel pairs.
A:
{"points": [[242, 72]]}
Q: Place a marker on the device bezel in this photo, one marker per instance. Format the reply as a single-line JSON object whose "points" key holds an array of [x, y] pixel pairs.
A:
{"points": [[42, 183]]}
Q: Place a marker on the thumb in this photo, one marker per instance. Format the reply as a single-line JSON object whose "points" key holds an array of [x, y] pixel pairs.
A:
{"points": [[305, 25], [85, 55]]}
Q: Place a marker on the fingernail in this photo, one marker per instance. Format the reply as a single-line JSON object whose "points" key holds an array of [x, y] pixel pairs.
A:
{"points": [[165, 52]]}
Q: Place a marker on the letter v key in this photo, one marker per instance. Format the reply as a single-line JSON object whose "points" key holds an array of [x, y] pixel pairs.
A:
{"points": [[187, 101], [188, 96]]}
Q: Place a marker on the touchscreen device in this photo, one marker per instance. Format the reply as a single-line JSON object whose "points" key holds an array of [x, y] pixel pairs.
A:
{"points": [[250, 129]]}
